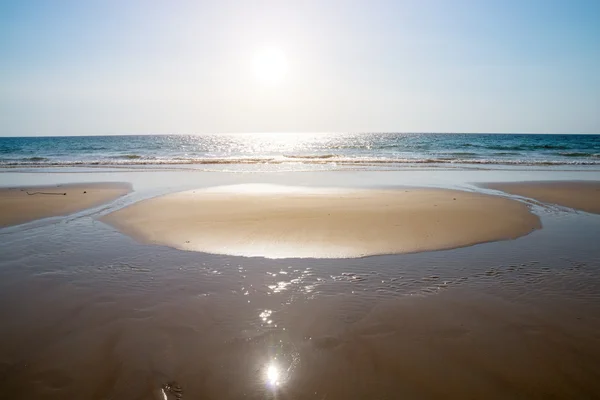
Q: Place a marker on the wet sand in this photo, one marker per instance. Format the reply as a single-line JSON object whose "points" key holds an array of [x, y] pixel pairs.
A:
{"points": [[147, 327], [89, 313], [282, 222], [584, 196], [25, 204]]}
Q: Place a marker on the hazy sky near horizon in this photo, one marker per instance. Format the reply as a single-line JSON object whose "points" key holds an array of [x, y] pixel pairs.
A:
{"points": [[134, 67]]}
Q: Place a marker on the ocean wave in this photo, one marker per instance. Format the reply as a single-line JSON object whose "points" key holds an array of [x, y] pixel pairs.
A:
{"points": [[310, 157], [550, 147], [468, 161], [24, 160], [337, 160], [129, 157], [35, 159], [464, 154], [574, 154], [518, 147]]}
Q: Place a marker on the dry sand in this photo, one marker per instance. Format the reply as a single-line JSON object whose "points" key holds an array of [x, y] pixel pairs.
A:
{"points": [[280, 222], [25, 204], [579, 195]]}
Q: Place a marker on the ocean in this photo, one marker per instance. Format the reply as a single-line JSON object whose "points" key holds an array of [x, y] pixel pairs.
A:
{"points": [[328, 149]]}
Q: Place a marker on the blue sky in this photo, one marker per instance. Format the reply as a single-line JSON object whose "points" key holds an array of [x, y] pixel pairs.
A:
{"points": [[121, 67]]}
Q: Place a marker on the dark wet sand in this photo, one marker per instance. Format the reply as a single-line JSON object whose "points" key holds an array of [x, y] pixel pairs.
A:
{"points": [[456, 344], [582, 195], [25, 204]]}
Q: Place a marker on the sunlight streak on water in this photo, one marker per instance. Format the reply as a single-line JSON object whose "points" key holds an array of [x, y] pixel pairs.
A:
{"points": [[273, 375]]}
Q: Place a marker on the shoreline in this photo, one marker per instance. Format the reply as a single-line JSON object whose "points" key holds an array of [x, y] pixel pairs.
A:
{"points": [[578, 195]]}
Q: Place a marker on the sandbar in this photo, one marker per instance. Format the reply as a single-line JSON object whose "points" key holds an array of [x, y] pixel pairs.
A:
{"points": [[579, 195], [290, 222], [26, 204]]}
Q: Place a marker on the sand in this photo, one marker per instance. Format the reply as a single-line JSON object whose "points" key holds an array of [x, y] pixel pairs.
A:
{"points": [[580, 195], [89, 314], [451, 346], [25, 204], [282, 222]]}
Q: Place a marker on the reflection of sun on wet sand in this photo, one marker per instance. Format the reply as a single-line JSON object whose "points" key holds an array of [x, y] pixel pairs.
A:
{"points": [[277, 221], [20, 205], [580, 195]]}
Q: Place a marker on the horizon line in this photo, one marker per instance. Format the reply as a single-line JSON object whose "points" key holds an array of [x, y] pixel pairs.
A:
{"points": [[297, 132]]}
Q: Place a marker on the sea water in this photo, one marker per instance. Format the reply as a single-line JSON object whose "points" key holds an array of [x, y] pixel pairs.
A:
{"points": [[329, 149]]}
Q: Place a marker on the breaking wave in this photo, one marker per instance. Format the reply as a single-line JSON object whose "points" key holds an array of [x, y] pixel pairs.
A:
{"points": [[325, 159]]}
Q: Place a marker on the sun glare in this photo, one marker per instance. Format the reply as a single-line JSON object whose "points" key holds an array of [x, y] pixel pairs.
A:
{"points": [[273, 375], [270, 65]]}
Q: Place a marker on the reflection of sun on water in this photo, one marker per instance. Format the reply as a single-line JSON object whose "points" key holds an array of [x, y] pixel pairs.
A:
{"points": [[273, 375], [278, 143], [263, 144]]}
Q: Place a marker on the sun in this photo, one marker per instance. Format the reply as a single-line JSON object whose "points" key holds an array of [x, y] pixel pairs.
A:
{"points": [[270, 65]]}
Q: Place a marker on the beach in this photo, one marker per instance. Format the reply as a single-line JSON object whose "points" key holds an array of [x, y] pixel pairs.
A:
{"points": [[299, 200], [397, 284], [25, 204]]}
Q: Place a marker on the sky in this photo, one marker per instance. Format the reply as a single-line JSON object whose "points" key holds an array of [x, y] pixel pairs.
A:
{"points": [[99, 67]]}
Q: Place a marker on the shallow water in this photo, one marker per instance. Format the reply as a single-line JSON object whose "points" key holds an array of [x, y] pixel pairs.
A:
{"points": [[89, 313]]}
